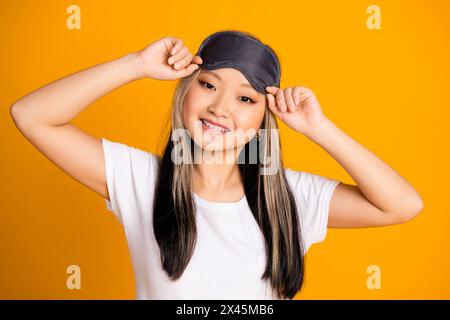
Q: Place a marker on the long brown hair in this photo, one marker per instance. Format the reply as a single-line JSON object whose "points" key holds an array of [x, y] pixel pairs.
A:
{"points": [[270, 200]]}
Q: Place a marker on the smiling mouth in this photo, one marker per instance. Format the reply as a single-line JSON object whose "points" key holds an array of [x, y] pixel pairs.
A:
{"points": [[209, 126]]}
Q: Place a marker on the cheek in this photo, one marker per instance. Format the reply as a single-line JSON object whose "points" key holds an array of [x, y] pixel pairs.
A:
{"points": [[250, 118]]}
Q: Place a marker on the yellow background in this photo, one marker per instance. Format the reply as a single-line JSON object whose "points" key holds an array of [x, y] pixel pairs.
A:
{"points": [[388, 89]]}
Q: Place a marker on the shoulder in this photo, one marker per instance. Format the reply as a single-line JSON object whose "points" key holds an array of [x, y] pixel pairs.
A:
{"points": [[305, 180], [312, 193], [124, 156], [131, 175]]}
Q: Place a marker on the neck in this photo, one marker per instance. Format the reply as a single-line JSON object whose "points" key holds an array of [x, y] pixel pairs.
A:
{"points": [[217, 172]]}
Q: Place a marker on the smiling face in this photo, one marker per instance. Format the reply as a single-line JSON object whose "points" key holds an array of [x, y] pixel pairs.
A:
{"points": [[222, 111]]}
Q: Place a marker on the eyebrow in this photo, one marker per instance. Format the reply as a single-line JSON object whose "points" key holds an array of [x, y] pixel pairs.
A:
{"points": [[220, 79]]}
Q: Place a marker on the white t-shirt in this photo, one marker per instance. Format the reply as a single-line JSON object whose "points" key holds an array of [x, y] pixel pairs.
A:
{"points": [[229, 257]]}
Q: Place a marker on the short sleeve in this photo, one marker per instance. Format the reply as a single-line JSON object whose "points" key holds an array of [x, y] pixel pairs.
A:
{"points": [[130, 175], [312, 193]]}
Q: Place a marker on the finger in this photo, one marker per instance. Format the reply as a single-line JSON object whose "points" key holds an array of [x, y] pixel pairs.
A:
{"points": [[177, 45], [178, 56], [289, 100], [296, 95], [187, 71], [306, 93], [281, 101], [183, 62], [271, 103], [198, 60], [272, 90]]}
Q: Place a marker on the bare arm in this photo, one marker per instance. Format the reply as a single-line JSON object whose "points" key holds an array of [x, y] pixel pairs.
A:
{"points": [[381, 197], [43, 116]]}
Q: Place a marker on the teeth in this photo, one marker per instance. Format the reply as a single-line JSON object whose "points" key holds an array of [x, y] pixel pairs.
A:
{"points": [[210, 125]]}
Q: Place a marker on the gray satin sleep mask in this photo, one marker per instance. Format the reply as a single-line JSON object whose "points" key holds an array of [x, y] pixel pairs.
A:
{"points": [[230, 49]]}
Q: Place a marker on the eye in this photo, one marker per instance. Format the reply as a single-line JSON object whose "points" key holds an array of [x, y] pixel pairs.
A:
{"points": [[202, 83], [249, 100]]}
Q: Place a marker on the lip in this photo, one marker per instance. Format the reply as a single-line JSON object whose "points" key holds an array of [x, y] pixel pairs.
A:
{"points": [[215, 123]]}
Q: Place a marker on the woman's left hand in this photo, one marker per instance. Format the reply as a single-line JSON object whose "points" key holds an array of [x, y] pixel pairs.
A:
{"points": [[297, 107]]}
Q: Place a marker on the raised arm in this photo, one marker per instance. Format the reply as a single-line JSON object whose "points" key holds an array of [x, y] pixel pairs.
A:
{"points": [[43, 116], [381, 197]]}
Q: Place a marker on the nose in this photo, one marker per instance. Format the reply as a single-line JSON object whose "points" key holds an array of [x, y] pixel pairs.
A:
{"points": [[220, 107]]}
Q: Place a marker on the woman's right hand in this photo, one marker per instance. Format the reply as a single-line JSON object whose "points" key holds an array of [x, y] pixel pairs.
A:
{"points": [[167, 59]]}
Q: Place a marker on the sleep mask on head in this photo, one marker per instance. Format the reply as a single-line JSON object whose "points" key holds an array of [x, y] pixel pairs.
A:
{"points": [[230, 49]]}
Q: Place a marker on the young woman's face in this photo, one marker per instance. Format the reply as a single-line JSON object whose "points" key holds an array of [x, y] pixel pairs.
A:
{"points": [[223, 97]]}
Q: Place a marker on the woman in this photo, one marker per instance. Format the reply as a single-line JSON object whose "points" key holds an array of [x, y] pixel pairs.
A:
{"points": [[230, 228]]}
